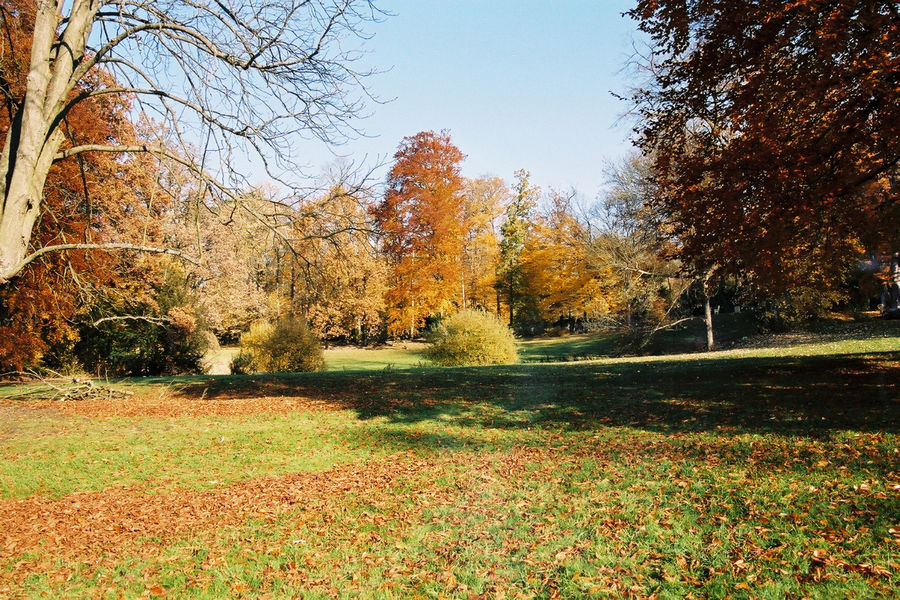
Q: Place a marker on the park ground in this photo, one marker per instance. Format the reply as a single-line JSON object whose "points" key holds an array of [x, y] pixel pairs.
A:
{"points": [[768, 470]]}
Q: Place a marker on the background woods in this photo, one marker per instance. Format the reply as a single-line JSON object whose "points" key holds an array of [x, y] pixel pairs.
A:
{"points": [[767, 181]]}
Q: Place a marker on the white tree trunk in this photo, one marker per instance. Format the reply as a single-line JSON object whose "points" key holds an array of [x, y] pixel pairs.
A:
{"points": [[34, 137]]}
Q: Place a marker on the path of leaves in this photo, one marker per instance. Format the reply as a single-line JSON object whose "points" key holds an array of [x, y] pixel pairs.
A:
{"points": [[90, 525]]}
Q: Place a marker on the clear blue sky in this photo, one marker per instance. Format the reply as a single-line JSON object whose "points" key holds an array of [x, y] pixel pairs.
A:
{"points": [[518, 83]]}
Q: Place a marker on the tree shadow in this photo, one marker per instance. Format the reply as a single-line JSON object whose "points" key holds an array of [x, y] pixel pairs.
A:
{"points": [[793, 395]]}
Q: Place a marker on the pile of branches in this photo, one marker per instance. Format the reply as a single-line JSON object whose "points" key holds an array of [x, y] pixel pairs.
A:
{"points": [[63, 389], [86, 389]]}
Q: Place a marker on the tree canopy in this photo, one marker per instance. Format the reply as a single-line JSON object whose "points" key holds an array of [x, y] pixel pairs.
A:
{"points": [[240, 76], [775, 130], [422, 220]]}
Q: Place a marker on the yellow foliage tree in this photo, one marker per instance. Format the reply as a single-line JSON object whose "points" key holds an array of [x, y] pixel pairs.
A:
{"points": [[485, 200], [557, 272]]}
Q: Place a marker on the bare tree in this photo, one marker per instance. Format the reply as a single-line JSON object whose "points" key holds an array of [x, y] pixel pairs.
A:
{"points": [[242, 76]]}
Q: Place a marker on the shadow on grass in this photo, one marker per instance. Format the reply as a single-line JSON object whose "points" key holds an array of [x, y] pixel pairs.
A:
{"points": [[787, 395]]}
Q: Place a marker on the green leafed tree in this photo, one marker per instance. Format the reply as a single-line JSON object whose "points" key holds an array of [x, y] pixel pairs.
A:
{"points": [[513, 235]]}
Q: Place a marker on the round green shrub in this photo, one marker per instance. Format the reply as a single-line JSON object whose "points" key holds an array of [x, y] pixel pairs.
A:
{"points": [[472, 337], [285, 346]]}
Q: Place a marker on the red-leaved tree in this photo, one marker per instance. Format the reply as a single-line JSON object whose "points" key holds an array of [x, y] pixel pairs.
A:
{"points": [[775, 127]]}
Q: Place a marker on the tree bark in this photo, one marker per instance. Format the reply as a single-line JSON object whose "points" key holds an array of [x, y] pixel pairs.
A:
{"points": [[34, 137]]}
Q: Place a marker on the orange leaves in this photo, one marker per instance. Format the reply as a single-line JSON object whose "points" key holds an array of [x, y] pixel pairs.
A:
{"points": [[91, 524], [422, 222], [94, 197]]}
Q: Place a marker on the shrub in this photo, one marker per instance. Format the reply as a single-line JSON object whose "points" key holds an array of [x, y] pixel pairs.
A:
{"points": [[241, 364], [472, 337], [285, 346]]}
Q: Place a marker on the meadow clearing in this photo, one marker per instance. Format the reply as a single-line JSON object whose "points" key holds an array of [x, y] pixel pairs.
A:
{"points": [[766, 472]]}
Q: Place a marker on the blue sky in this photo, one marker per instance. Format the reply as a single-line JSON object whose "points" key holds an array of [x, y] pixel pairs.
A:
{"points": [[518, 83]]}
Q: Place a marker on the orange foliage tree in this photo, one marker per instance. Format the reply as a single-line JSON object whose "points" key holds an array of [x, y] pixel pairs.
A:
{"points": [[775, 127], [422, 221]]}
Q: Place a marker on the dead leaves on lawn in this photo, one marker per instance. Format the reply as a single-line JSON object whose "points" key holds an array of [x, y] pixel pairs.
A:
{"points": [[90, 525], [148, 406]]}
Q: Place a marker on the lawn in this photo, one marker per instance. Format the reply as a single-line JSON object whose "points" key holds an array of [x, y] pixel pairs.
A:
{"points": [[765, 472]]}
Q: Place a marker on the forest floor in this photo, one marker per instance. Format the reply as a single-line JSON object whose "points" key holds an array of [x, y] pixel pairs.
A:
{"points": [[770, 470]]}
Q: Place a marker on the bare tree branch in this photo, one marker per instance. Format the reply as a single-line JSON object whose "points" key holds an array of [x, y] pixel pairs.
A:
{"points": [[104, 247], [254, 76]]}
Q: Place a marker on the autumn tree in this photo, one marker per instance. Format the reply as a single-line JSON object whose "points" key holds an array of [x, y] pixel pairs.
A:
{"points": [[628, 237], [514, 232], [775, 131], [235, 282], [337, 277], [486, 199], [421, 220], [92, 199], [555, 266], [243, 77], [632, 241]]}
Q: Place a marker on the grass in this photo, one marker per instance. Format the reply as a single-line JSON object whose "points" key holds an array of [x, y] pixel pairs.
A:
{"points": [[766, 472], [396, 356], [567, 348]]}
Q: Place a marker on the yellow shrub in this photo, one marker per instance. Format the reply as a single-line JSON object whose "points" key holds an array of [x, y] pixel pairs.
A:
{"points": [[285, 346], [472, 337]]}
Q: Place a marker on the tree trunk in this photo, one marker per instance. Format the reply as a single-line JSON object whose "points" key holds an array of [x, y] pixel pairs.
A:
{"points": [[628, 299], [707, 315], [34, 137]]}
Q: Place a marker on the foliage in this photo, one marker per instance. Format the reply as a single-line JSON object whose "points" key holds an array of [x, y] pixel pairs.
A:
{"points": [[555, 267], [775, 133], [472, 337], [514, 232], [337, 278], [237, 259], [39, 314], [631, 243], [421, 220], [485, 201], [284, 346], [163, 334], [235, 58], [801, 303]]}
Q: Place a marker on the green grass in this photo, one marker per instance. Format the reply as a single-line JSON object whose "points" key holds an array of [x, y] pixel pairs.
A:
{"points": [[768, 473], [60, 457], [685, 338], [567, 348], [397, 356]]}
